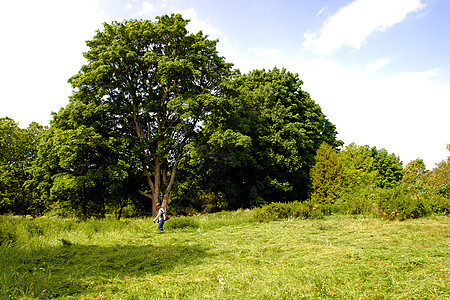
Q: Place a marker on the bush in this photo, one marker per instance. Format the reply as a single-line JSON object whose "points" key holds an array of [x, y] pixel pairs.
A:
{"points": [[361, 200], [438, 204], [182, 223], [400, 204], [277, 211]]}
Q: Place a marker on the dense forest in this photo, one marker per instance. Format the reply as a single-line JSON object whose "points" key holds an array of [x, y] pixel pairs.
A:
{"points": [[156, 115]]}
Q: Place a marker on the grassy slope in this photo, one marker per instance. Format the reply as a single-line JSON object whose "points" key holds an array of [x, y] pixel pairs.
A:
{"points": [[228, 257]]}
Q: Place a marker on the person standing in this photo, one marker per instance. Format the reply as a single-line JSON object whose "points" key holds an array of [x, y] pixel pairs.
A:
{"points": [[160, 217]]}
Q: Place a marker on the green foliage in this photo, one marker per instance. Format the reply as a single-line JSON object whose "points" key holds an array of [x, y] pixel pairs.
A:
{"points": [[155, 81], [420, 181], [439, 205], [439, 179], [277, 211], [359, 201], [260, 139], [136, 104], [388, 166], [212, 202], [414, 178], [357, 163], [398, 203], [326, 175], [155, 103], [18, 148], [181, 223], [79, 167]]}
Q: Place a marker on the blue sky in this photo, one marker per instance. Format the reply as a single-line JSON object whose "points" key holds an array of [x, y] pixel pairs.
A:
{"points": [[380, 69]]}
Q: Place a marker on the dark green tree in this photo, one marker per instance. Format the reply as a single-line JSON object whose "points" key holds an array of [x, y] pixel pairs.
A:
{"points": [[79, 165], [260, 139], [18, 148], [156, 80], [388, 166]]}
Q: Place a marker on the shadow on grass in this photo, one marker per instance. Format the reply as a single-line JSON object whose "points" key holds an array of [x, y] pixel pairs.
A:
{"points": [[72, 269]]}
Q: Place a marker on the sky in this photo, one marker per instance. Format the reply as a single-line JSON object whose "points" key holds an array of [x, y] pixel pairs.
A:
{"points": [[379, 69]]}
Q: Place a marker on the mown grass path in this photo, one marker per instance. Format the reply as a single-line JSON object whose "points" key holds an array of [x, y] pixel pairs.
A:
{"points": [[339, 257]]}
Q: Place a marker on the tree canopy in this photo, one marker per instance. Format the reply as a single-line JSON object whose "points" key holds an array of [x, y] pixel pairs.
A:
{"points": [[260, 139], [156, 111], [79, 165], [154, 79], [18, 149], [326, 175]]}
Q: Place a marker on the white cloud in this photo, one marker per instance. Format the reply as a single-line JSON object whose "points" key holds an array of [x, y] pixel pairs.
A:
{"points": [[195, 25], [380, 63], [41, 49], [147, 8], [405, 113], [320, 11], [265, 53], [352, 24], [129, 6]]}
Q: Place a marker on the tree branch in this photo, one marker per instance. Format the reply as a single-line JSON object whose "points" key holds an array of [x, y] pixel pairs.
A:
{"points": [[172, 178], [145, 194], [149, 179]]}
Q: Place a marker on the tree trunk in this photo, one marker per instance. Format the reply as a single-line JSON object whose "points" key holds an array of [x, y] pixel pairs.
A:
{"points": [[165, 199], [156, 186]]}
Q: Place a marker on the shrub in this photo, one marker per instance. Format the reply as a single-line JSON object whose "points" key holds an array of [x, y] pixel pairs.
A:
{"points": [[277, 211], [360, 200], [400, 204], [182, 223], [438, 203]]}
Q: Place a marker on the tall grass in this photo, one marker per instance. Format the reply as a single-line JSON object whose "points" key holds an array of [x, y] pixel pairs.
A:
{"points": [[225, 256]]}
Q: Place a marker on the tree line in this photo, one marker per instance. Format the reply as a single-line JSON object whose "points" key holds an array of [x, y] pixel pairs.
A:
{"points": [[156, 115]]}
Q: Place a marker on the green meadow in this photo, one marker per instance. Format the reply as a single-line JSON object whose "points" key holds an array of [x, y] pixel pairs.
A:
{"points": [[228, 255]]}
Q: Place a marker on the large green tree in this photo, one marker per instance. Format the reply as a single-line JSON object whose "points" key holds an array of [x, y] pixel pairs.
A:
{"points": [[79, 166], [156, 80], [18, 148], [260, 139]]}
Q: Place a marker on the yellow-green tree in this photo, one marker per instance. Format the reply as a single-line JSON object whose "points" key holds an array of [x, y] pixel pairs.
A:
{"points": [[357, 164], [439, 178], [414, 178], [326, 175]]}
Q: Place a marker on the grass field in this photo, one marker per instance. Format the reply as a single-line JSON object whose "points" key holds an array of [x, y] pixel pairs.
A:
{"points": [[225, 256]]}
